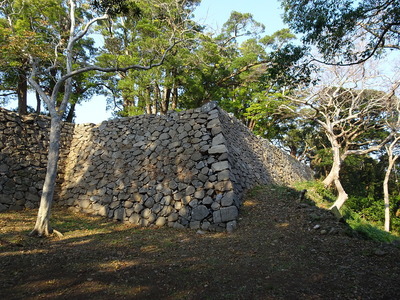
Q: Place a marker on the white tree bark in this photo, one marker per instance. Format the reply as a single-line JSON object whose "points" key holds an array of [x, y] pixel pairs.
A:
{"points": [[42, 226], [386, 198], [345, 112]]}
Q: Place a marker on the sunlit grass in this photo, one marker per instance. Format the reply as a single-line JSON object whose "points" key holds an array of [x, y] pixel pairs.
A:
{"points": [[367, 229], [323, 198]]}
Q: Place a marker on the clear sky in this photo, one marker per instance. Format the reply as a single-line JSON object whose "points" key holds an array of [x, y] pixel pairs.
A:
{"points": [[212, 13]]}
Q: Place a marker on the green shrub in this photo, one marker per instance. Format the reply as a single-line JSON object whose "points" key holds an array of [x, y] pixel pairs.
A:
{"points": [[363, 215], [366, 228]]}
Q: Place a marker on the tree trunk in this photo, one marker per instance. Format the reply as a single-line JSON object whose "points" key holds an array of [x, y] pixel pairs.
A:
{"points": [[22, 90], [148, 100], [174, 104], [38, 103], [165, 100], [333, 176], [342, 195], [335, 170], [252, 124], [71, 113], [42, 226], [156, 101], [386, 199]]}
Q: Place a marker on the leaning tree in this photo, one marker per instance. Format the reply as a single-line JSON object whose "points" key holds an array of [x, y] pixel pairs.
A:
{"points": [[350, 113]]}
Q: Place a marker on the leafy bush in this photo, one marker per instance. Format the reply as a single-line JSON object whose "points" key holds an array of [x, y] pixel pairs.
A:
{"points": [[374, 210], [364, 215], [366, 228]]}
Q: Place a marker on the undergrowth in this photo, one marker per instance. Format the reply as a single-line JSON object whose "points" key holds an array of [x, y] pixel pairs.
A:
{"points": [[324, 198]]}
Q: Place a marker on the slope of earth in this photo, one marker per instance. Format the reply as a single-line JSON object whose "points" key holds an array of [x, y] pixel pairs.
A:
{"points": [[283, 249]]}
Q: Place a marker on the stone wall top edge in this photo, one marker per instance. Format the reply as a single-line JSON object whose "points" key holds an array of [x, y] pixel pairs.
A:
{"points": [[203, 109], [171, 113]]}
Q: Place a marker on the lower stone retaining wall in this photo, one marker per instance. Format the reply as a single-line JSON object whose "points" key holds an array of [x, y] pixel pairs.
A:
{"points": [[23, 158], [186, 169]]}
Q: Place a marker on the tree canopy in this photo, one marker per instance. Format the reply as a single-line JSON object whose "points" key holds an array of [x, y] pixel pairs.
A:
{"points": [[337, 27]]}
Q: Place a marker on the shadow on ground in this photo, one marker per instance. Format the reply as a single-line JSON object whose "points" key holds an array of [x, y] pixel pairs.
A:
{"points": [[283, 249]]}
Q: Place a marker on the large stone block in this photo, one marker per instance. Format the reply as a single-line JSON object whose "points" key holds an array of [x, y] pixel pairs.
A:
{"points": [[225, 214], [200, 212], [219, 166], [218, 149]]}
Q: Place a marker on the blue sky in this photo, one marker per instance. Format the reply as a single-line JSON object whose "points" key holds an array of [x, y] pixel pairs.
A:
{"points": [[216, 12], [212, 13]]}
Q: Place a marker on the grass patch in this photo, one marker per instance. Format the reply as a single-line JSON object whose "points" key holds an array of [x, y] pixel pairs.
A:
{"points": [[317, 193], [367, 229], [276, 191], [324, 198]]}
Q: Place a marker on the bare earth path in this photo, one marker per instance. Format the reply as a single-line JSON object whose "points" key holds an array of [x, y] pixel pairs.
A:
{"points": [[282, 249]]}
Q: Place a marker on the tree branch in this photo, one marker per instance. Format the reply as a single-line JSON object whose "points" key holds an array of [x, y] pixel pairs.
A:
{"points": [[379, 44]]}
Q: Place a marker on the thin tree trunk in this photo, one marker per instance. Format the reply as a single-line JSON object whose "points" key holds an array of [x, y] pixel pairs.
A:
{"points": [[174, 104], [71, 113], [22, 91], [38, 103], [252, 124], [156, 101], [165, 100], [386, 198], [148, 100], [42, 226]]}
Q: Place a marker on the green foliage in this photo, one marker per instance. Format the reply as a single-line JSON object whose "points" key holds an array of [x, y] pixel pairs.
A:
{"points": [[317, 192], [336, 26], [362, 176], [367, 228], [116, 7], [372, 209], [365, 224], [245, 79]]}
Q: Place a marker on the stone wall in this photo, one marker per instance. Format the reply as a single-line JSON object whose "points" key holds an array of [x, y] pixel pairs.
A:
{"points": [[255, 161], [23, 157], [186, 169]]}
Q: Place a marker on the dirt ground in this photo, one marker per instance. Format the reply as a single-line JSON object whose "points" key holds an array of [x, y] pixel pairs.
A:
{"points": [[282, 249]]}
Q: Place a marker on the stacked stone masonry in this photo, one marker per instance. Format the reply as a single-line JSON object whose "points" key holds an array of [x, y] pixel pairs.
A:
{"points": [[23, 158], [186, 169]]}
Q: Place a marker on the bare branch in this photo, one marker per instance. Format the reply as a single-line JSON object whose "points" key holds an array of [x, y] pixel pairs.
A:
{"points": [[8, 94]]}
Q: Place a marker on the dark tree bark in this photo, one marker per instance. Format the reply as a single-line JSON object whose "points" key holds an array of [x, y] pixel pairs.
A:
{"points": [[22, 91]]}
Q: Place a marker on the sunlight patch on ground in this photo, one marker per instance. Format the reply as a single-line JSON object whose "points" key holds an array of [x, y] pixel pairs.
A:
{"points": [[250, 203], [116, 265], [18, 252], [80, 243], [139, 289], [149, 249]]}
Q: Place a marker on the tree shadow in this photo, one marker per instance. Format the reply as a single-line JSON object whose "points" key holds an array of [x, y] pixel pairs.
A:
{"points": [[276, 253]]}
